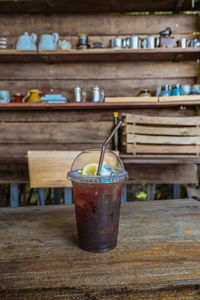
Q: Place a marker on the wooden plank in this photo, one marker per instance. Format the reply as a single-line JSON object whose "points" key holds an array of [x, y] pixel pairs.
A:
{"points": [[75, 132], [61, 6], [50, 168], [183, 131], [13, 171], [167, 149], [53, 115], [184, 121], [109, 70], [102, 113], [160, 159], [179, 98], [22, 148], [50, 262], [112, 88], [169, 140], [101, 55], [72, 24], [162, 174], [131, 99]]}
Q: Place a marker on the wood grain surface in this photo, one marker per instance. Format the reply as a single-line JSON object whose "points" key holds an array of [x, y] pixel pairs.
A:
{"points": [[157, 256], [119, 73], [89, 6]]}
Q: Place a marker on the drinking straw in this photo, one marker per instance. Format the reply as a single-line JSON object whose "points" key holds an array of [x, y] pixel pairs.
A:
{"points": [[103, 148]]}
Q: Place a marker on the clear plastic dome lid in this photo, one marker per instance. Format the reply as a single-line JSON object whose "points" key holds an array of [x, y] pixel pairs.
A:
{"points": [[112, 168]]}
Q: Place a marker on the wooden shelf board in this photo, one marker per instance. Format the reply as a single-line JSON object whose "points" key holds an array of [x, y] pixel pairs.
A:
{"points": [[104, 55], [179, 98], [91, 106], [91, 6]]}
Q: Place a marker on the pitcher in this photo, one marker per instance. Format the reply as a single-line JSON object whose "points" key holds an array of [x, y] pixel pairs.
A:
{"points": [[97, 95], [49, 42], [27, 42], [32, 96]]}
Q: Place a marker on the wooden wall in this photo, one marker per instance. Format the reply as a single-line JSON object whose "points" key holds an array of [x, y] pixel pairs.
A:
{"points": [[117, 79], [73, 129]]}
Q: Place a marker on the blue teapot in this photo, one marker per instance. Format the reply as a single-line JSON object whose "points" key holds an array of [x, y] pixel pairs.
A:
{"points": [[49, 41], [27, 42]]}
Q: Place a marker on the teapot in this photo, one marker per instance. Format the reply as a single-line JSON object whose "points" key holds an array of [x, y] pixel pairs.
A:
{"points": [[97, 94], [49, 41], [64, 45], [32, 96], [27, 42]]}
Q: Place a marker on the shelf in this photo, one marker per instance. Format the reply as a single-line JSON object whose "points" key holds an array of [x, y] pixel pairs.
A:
{"points": [[99, 55], [94, 106], [93, 6]]}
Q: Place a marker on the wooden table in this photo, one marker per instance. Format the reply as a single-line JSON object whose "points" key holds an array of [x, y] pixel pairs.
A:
{"points": [[157, 257]]}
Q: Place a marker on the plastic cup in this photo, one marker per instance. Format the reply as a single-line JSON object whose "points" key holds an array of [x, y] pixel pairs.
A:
{"points": [[97, 201]]}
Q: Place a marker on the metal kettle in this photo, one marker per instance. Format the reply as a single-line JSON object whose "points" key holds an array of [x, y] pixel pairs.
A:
{"points": [[97, 94]]}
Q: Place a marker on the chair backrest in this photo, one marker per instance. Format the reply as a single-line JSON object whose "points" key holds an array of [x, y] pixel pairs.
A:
{"points": [[49, 168], [161, 135]]}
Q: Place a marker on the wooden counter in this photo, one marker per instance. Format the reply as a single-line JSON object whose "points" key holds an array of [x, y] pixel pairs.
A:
{"points": [[157, 256]]}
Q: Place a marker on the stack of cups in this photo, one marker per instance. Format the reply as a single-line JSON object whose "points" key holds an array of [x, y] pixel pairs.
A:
{"points": [[3, 42]]}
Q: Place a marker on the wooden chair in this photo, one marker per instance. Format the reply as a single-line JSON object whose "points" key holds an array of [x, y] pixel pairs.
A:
{"points": [[163, 137], [149, 135], [48, 169]]}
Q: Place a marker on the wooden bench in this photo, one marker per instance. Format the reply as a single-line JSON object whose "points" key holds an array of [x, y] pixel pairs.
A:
{"points": [[164, 149]]}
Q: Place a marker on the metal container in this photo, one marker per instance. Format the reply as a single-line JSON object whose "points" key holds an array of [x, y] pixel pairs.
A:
{"points": [[116, 43], [133, 42], [83, 38], [183, 43], [79, 96], [97, 94]]}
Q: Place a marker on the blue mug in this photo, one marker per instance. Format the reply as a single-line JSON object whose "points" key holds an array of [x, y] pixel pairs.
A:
{"points": [[4, 96], [186, 89]]}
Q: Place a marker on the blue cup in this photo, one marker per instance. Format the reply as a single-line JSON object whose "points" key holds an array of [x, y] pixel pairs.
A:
{"points": [[4, 96], [186, 89], [196, 88]]}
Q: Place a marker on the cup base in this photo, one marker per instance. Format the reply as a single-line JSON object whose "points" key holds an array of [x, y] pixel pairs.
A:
{"points": [[100, 250]]}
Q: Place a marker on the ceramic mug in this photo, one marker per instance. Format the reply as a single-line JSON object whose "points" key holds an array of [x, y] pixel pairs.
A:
{"points": [[196, 88], [186, 89], [4, 96]]}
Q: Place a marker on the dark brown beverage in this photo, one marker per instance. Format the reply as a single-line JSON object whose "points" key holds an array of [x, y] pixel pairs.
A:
{"points": [[97, 215]]}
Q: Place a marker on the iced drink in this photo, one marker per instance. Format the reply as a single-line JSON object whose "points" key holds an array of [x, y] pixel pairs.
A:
{"points": [[97, 204]]}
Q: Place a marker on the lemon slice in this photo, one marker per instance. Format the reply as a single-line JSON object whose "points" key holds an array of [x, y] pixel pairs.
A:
{"points": [[90, 169]]}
